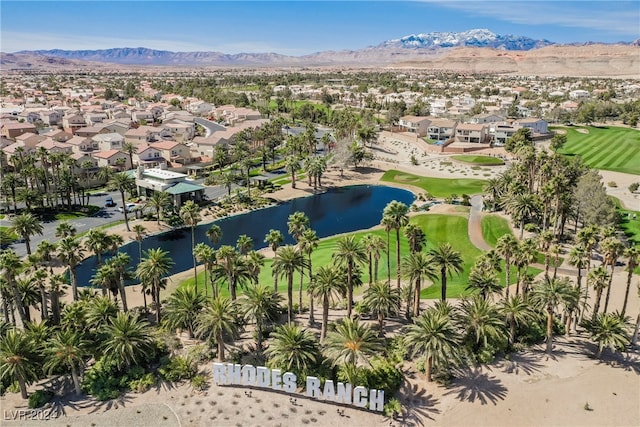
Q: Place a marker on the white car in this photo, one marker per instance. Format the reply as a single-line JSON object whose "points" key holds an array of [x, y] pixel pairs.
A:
{"points": [[130, 207]]}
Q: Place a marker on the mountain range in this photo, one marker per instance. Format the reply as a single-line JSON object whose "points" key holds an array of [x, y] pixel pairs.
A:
{"points": [[411, 49]]}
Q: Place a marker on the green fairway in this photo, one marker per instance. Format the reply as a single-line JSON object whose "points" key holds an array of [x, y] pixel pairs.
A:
{"points": [[629, 223], [438, 228], [479, 160], [494, 227], [609, 148], [437, 187]]}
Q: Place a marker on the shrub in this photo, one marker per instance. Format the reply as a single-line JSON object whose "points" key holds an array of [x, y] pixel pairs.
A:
{"points": [[383, 375], [466, 201], [532, 228], [612, 184], [634, 187], [393, 408], [39, 398], [103, 380], [413, 160], [178, 368], [143, 384], [199, 382]]}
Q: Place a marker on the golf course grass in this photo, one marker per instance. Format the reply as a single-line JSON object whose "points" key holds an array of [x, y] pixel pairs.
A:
{"points": [[494, 227], [629, 223], [479, 160], [609, 148], [437, 187], [439, 228]]}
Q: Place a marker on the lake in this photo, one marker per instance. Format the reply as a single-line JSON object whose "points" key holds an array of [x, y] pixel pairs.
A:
{"points": [[340, 210]]}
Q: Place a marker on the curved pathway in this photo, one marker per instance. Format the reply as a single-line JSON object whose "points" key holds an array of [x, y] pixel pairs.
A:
{"points": [[475, 234]]}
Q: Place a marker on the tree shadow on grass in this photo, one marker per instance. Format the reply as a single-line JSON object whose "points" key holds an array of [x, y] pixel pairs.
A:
{"points": [[417, 405], [472, 384]]}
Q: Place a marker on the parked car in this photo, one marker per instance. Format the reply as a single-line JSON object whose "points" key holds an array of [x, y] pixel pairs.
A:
{"points": [[109, 203], [130, 207]]}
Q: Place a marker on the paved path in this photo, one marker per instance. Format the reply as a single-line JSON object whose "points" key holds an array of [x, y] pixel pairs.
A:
{"points": [[475, 235]]}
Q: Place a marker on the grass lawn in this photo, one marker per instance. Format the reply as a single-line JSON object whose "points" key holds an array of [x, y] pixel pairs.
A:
{"points": [[629, 224], [479, 160], [609, 148], [437, 227], [494, 227], [438, 187]]}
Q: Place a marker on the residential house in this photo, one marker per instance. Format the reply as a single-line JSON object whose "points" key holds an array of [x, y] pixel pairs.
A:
{"points": [[537, 126], [414, 124], [180, 130], [113, 158], [89, 131], [487, 118], [72, 122], [50, 117], [501, 132], [54, 146], [29, 139], [472, 132], [81, 144], [142, 116], [120, 126], [94, 117], [173, 151], [199, 108], [149, 157], [109, 141], [12, 129], [145, 134], [202, 146], [441, 129]]}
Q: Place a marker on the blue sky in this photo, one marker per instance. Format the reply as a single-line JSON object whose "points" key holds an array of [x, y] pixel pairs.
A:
{"points": [[298, 27]]}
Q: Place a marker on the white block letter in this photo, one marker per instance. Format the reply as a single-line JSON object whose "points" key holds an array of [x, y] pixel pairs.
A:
{"points": [[248, 375], [263, 376], [376, 400], [233, 373], [276, 384], [344, 393], [329, 392], [313, 387], [289, 382], [358, 401], [219, 373]]}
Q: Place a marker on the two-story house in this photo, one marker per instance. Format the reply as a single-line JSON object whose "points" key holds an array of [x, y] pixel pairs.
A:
{"points": [[441, 129], [414, 124], [109, 141], [472, 132], [173, 151], [80, 144], [72, 122], [148, 157], [115, 159]]}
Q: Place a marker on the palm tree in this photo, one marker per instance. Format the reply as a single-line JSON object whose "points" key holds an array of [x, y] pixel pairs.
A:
{"points": [[612, 249], [484, 282], [232, 266], [105, 277], [207, 255], [65, 229], [517, 311], [292, 164], [545, 239], [396, 212], [598, 278], [182, 309], [609, 330], [307, 243], [227, 179], [293, 349], [349, 252], [70, 252], [18, 359], [12, 265], [123, 182], [548, 294], [127, 340], [260, 304], [522, 207], [434, 336], [578, 258], [416, 237], [152, 269], [387, 223], [217, 321], [448, 261], [633, 255], [372, 245], [351, 343], [158, 201], [482, 322], [244, 244], [327, 284], [274, 239], [214, 234], [417, 266], [26, 225], [507, 246], [97, 242], [100, 311], [130, 148], [383, 300], [68, 349], [139, 230], [287, 261], [190, 214]]}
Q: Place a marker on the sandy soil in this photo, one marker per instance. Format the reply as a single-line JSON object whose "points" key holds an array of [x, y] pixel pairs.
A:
{"points": [[570, 388]]}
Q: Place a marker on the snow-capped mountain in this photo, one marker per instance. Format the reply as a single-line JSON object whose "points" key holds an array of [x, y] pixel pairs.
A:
{"points": [[475, 38]]}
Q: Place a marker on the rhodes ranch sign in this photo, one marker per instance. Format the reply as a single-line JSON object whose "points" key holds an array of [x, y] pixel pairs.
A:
{"points": [[274, 379]]}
